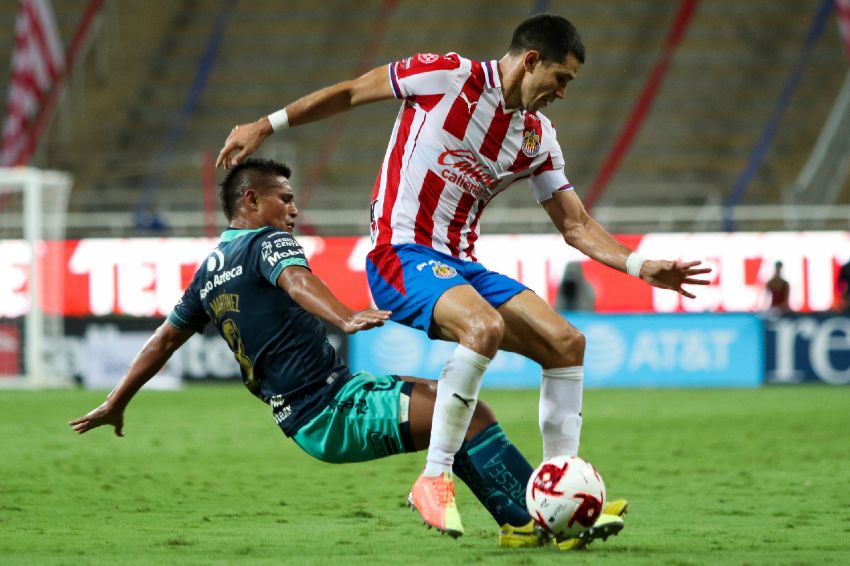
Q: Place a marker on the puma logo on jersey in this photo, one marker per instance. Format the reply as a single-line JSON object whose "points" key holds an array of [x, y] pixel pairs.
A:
{"points": [[469, 105], [462, 400]]}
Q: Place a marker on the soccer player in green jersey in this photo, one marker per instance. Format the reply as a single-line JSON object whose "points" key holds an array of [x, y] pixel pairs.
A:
{"points": [[256, 287]]}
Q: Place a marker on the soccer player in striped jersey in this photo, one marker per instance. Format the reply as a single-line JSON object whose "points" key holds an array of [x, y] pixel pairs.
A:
{"points": [[466, 131]]}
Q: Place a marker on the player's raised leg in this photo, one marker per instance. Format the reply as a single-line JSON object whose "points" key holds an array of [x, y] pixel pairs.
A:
{"points": [[535, 330]]}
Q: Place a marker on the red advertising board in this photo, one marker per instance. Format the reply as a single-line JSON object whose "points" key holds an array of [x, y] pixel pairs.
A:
{"points": [[10, 350], [146, 276]]}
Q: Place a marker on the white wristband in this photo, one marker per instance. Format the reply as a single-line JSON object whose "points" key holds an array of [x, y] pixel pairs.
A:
{"points": [[633, 264], [279, 120]]}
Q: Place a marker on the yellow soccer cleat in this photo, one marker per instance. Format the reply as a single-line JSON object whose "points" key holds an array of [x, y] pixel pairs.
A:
{"points": [[526, 536], [617, 507], [434, 498], [606, 526]]}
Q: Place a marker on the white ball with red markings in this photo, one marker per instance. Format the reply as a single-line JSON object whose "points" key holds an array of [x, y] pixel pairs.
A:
{"points": [[565, 495]]}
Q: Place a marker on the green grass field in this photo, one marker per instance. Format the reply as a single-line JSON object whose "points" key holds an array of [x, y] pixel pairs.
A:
{"points": [[204, 476]]}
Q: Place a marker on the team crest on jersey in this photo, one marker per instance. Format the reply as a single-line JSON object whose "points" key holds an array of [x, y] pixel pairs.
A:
{"points": [[427, 58], [443, 271], [530, 143]]}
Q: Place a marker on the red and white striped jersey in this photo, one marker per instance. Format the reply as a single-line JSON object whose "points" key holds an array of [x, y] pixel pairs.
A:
{"points": [[453, 148]]}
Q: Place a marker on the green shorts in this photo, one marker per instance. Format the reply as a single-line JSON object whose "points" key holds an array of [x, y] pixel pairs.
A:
{"points": [[368, 419]]}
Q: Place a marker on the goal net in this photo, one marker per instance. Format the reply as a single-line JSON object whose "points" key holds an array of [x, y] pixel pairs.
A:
{"points": [[33, 210]]}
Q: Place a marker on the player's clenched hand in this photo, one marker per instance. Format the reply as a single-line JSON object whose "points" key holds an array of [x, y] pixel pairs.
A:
{"points": [[364, 320], [106, 414], [242, 141], [673, 274]]}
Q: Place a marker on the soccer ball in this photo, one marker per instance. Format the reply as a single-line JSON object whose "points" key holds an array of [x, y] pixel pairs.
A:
{"points": [[565, 495]]}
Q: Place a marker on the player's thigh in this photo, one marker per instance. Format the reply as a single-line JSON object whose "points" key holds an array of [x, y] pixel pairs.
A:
{"points": [[462, 315], [366, 420], [470, 312], [535, 330]]}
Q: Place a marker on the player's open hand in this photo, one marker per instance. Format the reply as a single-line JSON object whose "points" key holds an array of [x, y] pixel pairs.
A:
{"points": [[364, 320], [674, 274], [106, 414], [242, 142]]}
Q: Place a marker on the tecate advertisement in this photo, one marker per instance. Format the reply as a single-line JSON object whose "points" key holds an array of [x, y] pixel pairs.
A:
{"points": [[145, 277]]}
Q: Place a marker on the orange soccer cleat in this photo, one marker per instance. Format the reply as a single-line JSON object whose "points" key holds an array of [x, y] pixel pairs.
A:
{"points": [[434, 498]]}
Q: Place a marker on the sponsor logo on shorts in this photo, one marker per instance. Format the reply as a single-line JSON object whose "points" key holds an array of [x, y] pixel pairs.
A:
{"points": [[443, 271], [346, 405], [280, 409]]}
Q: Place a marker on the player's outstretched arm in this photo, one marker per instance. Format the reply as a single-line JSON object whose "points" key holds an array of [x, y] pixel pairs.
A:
{"points": [[314, 296], [150, 359], [244, 139], [585, 234]]}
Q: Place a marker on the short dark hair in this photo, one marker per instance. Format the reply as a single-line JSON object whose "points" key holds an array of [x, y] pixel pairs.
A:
{"points": [[244, 175], [553, 36]]}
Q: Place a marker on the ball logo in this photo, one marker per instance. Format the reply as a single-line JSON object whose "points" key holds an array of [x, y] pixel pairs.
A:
{"points": [[587, 512], [216, 261], [530, 143], [547, 480], [427, 58], [443, 271]]}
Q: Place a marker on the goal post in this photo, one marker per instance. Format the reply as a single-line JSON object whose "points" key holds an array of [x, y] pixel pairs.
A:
{"points": [[33, 213]]}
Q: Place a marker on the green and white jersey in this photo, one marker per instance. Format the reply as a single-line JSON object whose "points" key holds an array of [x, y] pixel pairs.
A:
{"points": [[282, 350]]}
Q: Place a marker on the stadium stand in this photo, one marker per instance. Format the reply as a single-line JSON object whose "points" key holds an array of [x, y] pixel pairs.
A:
{"points": [[718, 93]]}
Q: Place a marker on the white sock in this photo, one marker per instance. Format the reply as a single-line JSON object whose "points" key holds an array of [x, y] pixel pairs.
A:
{"points": [[560, 410], [457, 395]]}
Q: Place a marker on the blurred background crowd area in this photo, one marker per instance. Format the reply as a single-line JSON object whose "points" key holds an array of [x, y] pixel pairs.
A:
{"points": [[743, 94]]}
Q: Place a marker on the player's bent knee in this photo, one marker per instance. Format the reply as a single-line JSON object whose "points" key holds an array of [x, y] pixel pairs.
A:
{"points": [[483, 333], [571, 343], [563, 350]]}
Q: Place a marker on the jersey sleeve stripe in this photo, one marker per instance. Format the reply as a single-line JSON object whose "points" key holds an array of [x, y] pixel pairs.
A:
{"points": [[175, 319], [488, 72], [394, 80], [283, 265]]}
